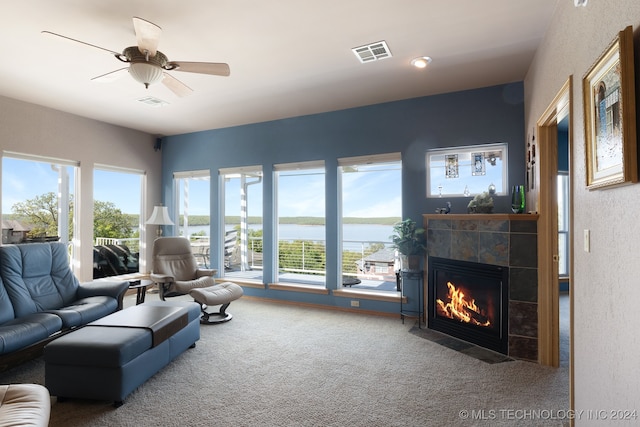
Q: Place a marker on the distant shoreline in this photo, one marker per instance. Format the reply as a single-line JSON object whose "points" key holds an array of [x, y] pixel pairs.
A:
{"points": [[196, 220]]}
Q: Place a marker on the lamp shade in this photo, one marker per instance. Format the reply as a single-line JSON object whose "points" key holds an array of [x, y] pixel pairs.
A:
{"points": [[159, 216]]}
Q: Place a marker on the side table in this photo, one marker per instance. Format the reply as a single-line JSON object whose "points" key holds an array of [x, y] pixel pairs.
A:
{"points": [[141, 286], [404, 277]]}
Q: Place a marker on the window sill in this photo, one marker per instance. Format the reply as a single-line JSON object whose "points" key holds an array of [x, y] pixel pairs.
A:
{"points": [[370, 295], [295, 287]]}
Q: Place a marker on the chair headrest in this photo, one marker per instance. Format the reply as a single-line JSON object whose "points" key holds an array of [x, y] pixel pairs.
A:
{"points": [[171, 246]]}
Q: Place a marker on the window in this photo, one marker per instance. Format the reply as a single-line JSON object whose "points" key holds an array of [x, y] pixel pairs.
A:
{"points": [[300, 190], [193, 195], [243, 222], [117, 204], [371, 202], [563, 225], [37, 199], [467, 171]]}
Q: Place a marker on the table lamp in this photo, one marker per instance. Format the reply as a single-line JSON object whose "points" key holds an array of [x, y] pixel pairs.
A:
{"points": [[159, 217]]}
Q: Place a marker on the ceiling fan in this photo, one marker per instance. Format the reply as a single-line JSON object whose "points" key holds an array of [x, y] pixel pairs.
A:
{"points": [[148, 65]]}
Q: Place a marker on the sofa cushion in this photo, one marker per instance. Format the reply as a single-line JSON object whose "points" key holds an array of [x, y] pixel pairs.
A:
{"points": [[37, 276], [85, 310], [19, 333]]}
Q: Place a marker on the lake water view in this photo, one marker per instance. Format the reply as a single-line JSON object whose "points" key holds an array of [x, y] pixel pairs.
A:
{"points": [[352, 232]]}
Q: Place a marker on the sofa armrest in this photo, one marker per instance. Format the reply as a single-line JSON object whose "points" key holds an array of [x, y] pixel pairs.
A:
{"points": [[115, 289], [201, 272]]}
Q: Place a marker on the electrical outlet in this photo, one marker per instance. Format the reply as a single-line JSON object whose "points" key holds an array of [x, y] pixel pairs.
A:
{"points": [[355, 303]]}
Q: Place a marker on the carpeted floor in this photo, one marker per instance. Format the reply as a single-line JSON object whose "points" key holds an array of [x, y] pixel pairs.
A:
{"points": [[283, 365]]}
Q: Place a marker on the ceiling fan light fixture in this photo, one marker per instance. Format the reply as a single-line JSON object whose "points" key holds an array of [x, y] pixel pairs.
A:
{"points": [[145, 73], [421, 61], [143, 68], [147, 65]]}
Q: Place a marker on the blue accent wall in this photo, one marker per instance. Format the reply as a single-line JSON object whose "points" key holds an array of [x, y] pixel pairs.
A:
{"points": [[413, 126]]}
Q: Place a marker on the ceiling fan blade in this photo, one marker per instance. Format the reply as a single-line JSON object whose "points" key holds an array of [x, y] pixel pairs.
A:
{"points": [[213, 68], [176, 85], [81, 42], [111, 76], [148, 35]]}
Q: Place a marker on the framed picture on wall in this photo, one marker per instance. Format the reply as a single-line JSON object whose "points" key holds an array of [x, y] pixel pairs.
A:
{"points": [[451, 170], [477, 164], [609, 112]]}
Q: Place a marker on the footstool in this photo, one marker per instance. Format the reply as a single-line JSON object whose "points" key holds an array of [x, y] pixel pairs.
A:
{"points": [[111, 357], [221, 294], [24, 405]]}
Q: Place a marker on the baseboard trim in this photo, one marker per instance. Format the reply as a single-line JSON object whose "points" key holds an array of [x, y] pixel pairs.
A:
{"points": [[322, 306]]}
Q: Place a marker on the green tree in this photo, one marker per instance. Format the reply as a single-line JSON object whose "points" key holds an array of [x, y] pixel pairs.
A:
{"points": [[109, 221], [41, 214], [301, 255]]}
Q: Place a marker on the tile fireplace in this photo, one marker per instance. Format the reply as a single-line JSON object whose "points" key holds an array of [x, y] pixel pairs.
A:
{"points": [[484, 267], [470, 301]]}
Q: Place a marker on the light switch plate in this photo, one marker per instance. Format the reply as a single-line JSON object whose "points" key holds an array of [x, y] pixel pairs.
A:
{"points": [[587, 238]]}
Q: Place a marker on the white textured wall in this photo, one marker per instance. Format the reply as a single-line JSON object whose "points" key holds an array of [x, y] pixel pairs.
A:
{"points": [[606, 284], [32, 129]]}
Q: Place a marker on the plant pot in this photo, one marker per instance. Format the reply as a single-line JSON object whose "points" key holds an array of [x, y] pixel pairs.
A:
{"points": [[413, 262]]}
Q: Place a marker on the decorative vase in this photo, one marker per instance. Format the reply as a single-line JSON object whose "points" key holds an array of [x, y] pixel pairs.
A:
{"points": [[413, 262], [517, 199]]}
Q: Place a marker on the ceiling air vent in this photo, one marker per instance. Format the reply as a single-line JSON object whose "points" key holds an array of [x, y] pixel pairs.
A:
{"points": [[153, 102], [372, 52]]}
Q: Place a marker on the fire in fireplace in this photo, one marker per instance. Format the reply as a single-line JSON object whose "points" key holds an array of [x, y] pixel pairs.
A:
{"points": [[469, 300], [462, 308]]}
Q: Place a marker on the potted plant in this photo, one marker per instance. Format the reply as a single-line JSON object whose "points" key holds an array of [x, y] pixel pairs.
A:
{"points": [[410, 242]]}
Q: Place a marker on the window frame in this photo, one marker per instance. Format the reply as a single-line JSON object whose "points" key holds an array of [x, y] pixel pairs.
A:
{"points": [[253, 171], [367, 160], [465, 171], [278, 169]]}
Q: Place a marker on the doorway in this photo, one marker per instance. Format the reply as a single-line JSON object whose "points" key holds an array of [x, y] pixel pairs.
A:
{"points": [[564, 242], [554, 131], [549, 128]]}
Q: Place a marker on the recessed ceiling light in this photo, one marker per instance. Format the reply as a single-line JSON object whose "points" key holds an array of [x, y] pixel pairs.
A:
{"points": [[421, 61]]}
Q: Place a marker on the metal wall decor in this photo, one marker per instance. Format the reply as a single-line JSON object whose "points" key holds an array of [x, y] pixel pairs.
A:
{"points": [[531, 163]]}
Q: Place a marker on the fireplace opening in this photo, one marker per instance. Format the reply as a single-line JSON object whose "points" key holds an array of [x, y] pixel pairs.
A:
{"points": [[469, 300]]}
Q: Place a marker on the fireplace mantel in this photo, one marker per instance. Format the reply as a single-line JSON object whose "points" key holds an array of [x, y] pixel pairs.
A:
{"points": [[483, 217], [508, 240]]}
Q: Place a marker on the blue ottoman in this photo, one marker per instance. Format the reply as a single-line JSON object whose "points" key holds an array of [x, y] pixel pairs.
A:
{"points": [[111, 357]]}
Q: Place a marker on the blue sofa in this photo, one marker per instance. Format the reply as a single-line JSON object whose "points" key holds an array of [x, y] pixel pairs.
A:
{"points": [[40, 298]]}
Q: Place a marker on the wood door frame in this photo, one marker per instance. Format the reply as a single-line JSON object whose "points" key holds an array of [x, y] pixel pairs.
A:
{"points": [[548, 288]]}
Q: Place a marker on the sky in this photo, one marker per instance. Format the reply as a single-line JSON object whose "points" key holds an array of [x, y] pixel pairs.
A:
{"points": [[25, 179], [368, 193]]}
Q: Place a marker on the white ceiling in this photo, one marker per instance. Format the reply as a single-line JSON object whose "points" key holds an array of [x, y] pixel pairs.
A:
{"points": [[287, 57]]}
